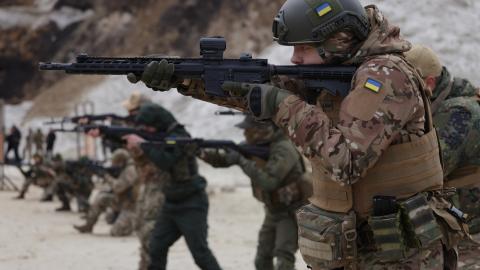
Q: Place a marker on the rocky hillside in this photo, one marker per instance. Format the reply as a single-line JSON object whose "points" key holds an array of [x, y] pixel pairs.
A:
{"points": [[43, 30]]}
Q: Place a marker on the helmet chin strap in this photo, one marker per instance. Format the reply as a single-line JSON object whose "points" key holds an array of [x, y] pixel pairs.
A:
{"points": [[333, 58], [321, 52], [338, 57]]}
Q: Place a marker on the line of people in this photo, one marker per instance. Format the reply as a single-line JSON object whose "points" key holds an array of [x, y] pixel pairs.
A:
{"points": [[35, 143], [160, 194], [381, 195]]}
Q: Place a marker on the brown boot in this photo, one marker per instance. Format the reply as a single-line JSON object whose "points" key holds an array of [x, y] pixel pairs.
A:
{"points": [[86, 228]]}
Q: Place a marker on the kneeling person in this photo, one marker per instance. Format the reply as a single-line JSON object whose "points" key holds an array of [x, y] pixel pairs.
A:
{"points": [[40, 174], [121, 196]]}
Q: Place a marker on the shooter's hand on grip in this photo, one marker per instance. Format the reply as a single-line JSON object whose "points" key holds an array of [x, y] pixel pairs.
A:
{"points": [[262, 99], [157, 75]]}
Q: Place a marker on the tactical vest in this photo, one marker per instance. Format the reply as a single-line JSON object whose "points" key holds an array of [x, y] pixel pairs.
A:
{"points": [[402, 171], [465, 177], [294, 191]]}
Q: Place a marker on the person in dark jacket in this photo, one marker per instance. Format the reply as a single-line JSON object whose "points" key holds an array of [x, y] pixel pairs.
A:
{"points": [[51, 137], [185, 210], [13, 141]]}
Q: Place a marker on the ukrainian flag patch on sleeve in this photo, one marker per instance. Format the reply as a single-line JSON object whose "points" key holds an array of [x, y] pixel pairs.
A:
{"points": [[373, 85], [323, 9]]}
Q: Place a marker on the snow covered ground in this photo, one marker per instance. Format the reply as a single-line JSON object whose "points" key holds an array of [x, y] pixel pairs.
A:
{"points": [[33, 237]]}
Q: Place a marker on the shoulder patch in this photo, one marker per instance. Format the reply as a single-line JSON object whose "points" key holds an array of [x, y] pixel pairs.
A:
{"points": [[373, 85]]}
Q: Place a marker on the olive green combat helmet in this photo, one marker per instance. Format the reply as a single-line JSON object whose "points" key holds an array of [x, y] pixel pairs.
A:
{"points": [[314, 21]]}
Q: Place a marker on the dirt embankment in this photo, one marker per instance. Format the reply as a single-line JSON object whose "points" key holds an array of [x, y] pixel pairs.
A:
{"points": [[59, 29]]}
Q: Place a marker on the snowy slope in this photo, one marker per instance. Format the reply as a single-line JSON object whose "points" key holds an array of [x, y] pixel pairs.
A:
{"points": [[39, 14], [450, 27]]}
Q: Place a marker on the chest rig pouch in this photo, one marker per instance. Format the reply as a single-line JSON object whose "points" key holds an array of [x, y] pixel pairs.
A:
{"points": [[327, 239]]}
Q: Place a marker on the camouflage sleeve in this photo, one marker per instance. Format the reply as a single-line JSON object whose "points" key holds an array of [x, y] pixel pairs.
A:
{"points": [[283, 157], [381, 102], [196, 90], [455, 121], [296, 86], [126, 180]]}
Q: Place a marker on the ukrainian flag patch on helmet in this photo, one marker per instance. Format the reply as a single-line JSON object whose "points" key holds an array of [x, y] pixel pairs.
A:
{"points": [[373, 85], [323, 9]]}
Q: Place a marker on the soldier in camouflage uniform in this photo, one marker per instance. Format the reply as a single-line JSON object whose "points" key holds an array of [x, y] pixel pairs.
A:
{"points": [[149, 203], [377, 201], [75, 180], [185, 210], [39, 140], [277, 183], [151, 180], [456, 115], [120, 196], [40, 174]]}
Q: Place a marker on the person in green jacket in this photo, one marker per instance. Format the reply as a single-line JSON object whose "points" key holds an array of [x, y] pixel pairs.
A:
{"points": [[276, 182]]}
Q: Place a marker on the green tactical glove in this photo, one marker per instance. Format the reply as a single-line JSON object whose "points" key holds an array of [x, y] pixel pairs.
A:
{"points": [[214, 158], [191, 149], [232, 157], [157, 75], [262, 99]]}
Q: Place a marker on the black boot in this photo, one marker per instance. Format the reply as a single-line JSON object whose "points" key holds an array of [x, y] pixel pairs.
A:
{"points": [[86, 228], [47, 198], [20, 196], [64, 208]]}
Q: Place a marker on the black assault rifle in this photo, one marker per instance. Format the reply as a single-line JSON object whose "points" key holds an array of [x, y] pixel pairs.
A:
{"points": [[98, 169], [90, 118], [229, 112], [116, 133], [213, 69], [92, 166], [89, 167], [259, 151]]}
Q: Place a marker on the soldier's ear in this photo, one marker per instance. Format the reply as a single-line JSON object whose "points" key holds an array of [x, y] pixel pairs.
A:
{"points": [[430, 83]]}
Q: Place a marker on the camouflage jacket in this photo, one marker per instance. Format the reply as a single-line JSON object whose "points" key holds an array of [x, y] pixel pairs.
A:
{"points": [[276, 182], [370, 118], [271, 178], [125, 186], [453, 87], [284, 162], [38, 138], [151, 181], [457, 119]]}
